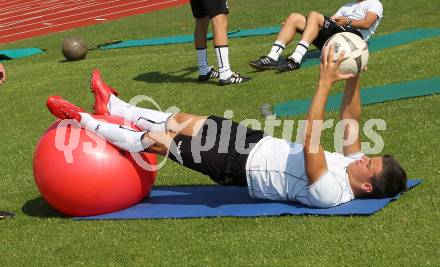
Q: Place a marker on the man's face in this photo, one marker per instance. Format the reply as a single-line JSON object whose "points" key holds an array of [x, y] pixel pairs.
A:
{"points": [[365, 168]]}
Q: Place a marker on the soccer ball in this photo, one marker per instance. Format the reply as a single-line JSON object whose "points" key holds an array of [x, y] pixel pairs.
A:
{"points": [[356, 51], [74, 48]]}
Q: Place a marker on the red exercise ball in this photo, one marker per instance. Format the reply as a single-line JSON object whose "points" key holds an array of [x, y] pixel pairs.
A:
{"points": [[79, 174]]}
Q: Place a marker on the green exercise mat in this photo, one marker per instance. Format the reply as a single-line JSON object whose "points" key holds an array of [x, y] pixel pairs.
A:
{"points": [[178, 39], [376, 42], [19, 53], [369, 96], [181, 39]]}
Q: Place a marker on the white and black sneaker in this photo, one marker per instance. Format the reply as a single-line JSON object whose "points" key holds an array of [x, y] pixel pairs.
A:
{"points": [[212, 74], [6, 214], [288, 65], [264, 63], [234, 78]]}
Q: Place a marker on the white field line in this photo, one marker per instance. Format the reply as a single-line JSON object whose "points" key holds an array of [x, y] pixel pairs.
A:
{"points": [[9, 3], [25, 6], [69, 16], [39, 10], [13, 21], [70, 22]]}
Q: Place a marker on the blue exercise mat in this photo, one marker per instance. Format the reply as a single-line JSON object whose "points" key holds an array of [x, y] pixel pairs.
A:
{"points": [[219, 201], [19, 53], [376, 42], [372, 95]]}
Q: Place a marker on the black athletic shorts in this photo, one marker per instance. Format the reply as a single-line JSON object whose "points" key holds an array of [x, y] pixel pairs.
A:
{"points": [[211, 8], [219, 150], [329, 29]]}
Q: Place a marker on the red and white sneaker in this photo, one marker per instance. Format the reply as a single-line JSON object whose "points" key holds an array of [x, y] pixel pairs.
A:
{"points": [[63, 109], [102, 93]]}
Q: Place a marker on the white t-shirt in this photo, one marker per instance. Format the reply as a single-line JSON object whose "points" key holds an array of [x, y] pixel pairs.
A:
{"points": [[275, 170], [358, 10]]}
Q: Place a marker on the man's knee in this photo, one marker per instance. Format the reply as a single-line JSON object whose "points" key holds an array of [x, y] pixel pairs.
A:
{"points": [[295, 18], [221, 20], [202, 23], [316, 17]]}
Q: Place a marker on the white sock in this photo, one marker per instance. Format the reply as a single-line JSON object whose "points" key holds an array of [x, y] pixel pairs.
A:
{"points": [[145, 119], [222, 53], [300, 51], [118, 135], [202, 61], [277, 48]]}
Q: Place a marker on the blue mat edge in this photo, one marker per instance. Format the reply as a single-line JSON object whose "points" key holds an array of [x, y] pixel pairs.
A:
{"points": [[320, 212]]}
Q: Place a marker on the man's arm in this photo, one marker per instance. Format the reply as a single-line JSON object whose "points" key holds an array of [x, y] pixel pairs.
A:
{"points": [[338, 13], [351, 110], [365, 23], [314, 158]]}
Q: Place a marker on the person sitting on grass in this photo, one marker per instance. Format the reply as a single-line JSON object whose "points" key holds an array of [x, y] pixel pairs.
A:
{"points": [[232, 154], [361, 17]]}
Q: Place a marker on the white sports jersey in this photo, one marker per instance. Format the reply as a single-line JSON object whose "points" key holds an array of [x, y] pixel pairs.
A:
{"points": [[358, 10], [275, 170]]}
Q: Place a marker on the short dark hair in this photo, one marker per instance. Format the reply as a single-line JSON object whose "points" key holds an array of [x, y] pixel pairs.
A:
{"points": [[390, 182]]}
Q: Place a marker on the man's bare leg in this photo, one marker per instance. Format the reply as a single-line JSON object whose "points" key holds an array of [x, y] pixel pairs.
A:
{"points": [[162, 142], [186, 124], [154, 120], [295, 22], [315, 22], [183, 149], [220, 28]]}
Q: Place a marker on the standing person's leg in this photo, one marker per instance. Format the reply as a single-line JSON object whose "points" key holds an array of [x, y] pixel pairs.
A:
{"points": [[294, 23], [206, 72], [220, 28], [200, 32], [217, 11]]}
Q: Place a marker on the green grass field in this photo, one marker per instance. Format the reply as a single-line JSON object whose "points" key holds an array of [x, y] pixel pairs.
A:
{"points": [[405, 233]]}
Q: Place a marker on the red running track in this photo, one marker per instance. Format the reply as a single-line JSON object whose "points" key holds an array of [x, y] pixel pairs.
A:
{"points": [[21, 19]]}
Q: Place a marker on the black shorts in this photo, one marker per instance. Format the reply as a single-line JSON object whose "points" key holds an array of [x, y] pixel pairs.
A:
{"points": [[211, 8], [329, 29], [219, 150]]}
